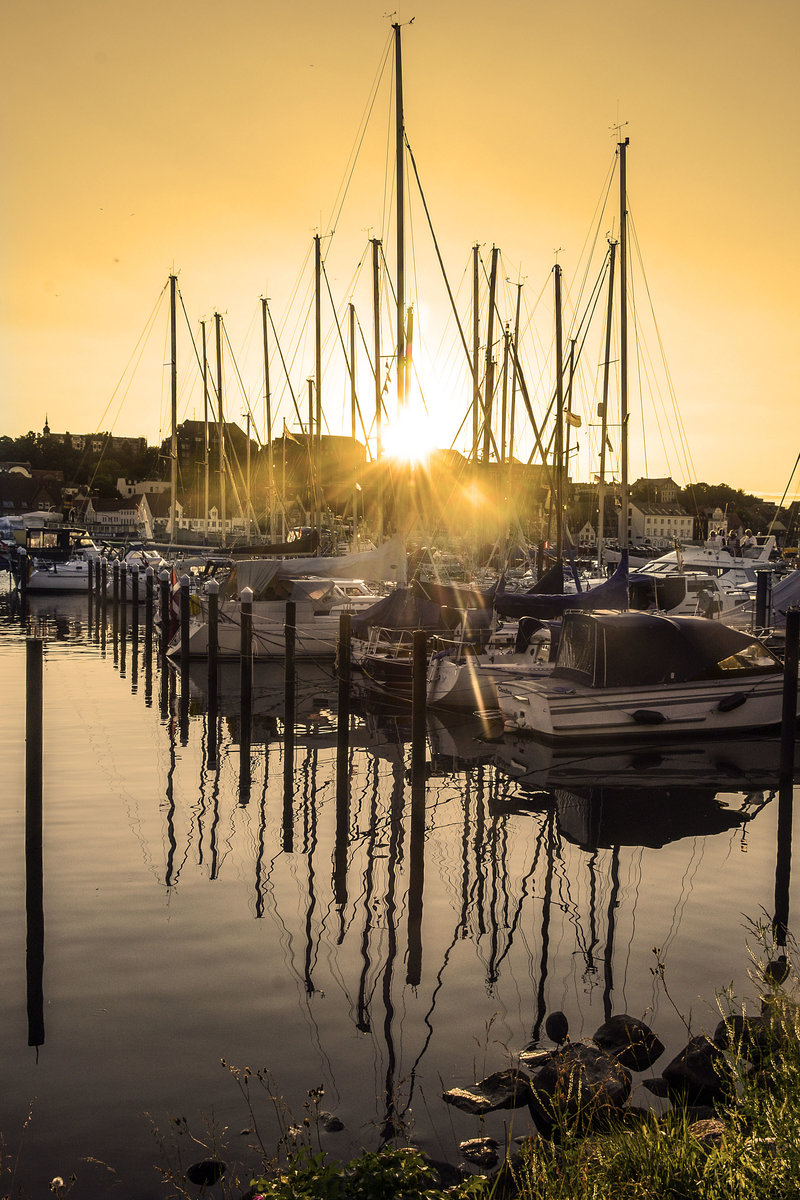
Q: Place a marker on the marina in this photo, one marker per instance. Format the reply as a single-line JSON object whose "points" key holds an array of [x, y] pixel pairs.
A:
{"points": [[220, 885], [415, 763]]}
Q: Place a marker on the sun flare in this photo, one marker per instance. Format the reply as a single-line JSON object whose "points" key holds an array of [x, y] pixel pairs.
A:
{"points": [[411, 437]]}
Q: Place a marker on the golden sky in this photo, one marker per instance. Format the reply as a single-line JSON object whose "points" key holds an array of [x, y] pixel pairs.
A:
{"points": [[212, 140]]}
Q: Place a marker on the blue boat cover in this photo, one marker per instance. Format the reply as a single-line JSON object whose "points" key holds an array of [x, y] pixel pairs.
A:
{"points": [[611, 594]]}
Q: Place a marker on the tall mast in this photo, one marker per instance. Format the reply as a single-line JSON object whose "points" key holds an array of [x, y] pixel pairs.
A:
{"points": [[476, 351], [268, 423], [221, 427], [247, 477], [173, 374], [488, 396], [559, 438], [317, 444], [205, 433], [376, 326], [401, 269], [601, 487], [504, 408], [353, 402], [623, 333], [515, 376]]}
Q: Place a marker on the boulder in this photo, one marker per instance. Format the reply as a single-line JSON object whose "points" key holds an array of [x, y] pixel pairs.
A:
{"points": [[481, 1151], [745, 1035], [206, 1172], [698, 1073], [330, 1123], [630, 1041], [503, 1089], [709, 1132], [580, 1083]]}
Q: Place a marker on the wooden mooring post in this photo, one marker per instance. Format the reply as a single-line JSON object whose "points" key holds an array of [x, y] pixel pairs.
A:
{"points": [[103, 600], [123, 614], [763, 613], [134, 624], [780, 923], [164, 598], [416, 851], [288, 725], [34, 879], [246, 692], [212, 593], [183, 712], [343, 665], [90, 597]]}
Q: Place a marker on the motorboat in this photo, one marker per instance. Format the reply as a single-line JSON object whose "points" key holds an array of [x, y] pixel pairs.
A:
{"points": [[464, 678], [624, 675], [734, 571], [321, 589], [56, 559]]}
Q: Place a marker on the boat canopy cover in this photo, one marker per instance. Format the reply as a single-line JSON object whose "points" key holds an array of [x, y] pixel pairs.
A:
{"points": [[612, 593], [405, 608], [785, 594], [551, 582], [608, 649], [455, 595], [386, 564]]}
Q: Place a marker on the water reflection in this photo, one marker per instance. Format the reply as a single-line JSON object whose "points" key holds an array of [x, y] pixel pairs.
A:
{"points": [[377, 956]]}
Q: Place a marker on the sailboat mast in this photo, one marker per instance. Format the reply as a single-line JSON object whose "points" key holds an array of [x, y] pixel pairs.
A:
{"points": [[205, 433], [601, 486], [488, 396], [559, 438], [515, 375], [249, 506], [623, 333], [476, 351], [401, 270], [173, 473], [376, 327], [351, 309], [221, 426], [268, 423], [317, 443]]}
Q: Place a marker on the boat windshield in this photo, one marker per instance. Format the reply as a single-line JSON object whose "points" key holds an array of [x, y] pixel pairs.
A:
{"points": [[754, 657]]}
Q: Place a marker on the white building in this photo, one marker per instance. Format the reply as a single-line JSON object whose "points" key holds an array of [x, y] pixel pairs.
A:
{"points": [[658, 523]]}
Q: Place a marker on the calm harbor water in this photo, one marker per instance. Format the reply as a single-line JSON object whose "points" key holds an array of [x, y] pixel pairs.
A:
{"points": [[198, 910]]}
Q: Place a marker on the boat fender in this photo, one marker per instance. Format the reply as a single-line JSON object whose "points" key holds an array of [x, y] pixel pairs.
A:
{"points": [[729, 703], [648, 716]]}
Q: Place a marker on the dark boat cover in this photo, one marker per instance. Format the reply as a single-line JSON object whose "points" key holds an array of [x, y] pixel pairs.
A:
{"points": [[611, 594], [404, 608], [608, 649]]}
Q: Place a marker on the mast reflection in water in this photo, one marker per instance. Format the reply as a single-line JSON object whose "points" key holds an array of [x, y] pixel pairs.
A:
{"points": [[208, 896]]}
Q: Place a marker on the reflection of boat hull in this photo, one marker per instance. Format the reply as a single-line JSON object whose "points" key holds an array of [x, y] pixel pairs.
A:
{"points": [[606, 817], [314, 691], [316, 636], [642, 796], [734, 764]]}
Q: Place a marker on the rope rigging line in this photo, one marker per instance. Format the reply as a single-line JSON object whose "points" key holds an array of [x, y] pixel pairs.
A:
{"points": [[285, 370], [350, 366], [344, 186], [683, 440], [140, 345]]}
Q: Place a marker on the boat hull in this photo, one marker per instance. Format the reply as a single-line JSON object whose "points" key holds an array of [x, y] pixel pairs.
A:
{"points": [[557, 711], [58, 578]]}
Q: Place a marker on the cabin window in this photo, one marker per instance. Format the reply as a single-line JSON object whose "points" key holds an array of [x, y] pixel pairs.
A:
{"points": [[754, 657]]}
